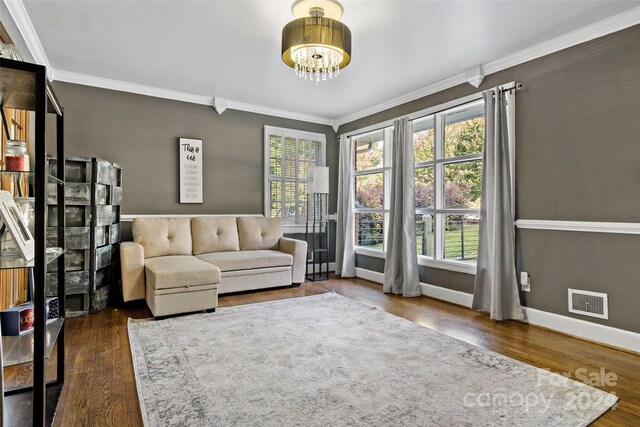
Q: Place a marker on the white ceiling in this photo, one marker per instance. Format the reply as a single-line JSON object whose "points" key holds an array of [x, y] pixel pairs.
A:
{"points": [[231, 49]]}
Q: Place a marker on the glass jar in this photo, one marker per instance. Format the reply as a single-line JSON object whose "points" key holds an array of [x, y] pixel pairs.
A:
{"points": [[15, 157]]}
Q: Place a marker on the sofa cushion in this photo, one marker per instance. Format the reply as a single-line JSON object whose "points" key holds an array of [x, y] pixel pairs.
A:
{"points": [[180, 271], [232, 261], [163, 236], [259, 233], [214, 234]]}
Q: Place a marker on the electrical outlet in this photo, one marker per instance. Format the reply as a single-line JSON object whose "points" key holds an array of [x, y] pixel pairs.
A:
{"points": [[525, 281]]}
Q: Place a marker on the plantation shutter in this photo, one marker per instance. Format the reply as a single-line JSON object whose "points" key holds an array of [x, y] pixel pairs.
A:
{"points": [[290, 154]]}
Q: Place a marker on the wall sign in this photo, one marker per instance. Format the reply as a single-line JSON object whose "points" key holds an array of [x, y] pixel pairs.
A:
{"points": [[190, 153]]}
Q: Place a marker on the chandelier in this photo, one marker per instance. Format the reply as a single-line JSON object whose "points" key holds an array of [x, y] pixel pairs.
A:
{"points": [[315, 44]]}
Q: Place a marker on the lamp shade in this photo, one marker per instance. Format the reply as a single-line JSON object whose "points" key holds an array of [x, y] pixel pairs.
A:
{"points": [[319, 32], [318, 180]]}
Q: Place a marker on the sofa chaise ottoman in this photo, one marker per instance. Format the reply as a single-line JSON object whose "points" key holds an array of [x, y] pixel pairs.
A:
{"points": [[180, 265]]}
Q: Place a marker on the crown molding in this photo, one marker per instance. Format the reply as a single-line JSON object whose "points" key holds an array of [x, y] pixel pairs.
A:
{"points": [[219, 104], [223, 104], [584, 226], [25, 26], [456, 80], [119, 85], [592, 31], [598, 29], [581, 35], [474, 75], [28, 32]]}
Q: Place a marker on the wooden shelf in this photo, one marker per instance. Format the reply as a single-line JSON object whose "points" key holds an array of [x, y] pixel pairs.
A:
{"points": [[16, 90], [17, 86]]}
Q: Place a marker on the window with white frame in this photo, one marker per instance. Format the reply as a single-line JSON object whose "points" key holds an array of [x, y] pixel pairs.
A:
{"points": [[372, 179], [448, 148], [448, 182], [288, 155]]}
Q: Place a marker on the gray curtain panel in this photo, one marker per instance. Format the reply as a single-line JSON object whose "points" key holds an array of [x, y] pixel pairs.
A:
{"points": [[401, 259], [345, 246], [496, 286]]}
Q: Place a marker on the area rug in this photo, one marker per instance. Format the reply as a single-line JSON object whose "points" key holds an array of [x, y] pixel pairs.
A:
{"points": [[328, 360]]}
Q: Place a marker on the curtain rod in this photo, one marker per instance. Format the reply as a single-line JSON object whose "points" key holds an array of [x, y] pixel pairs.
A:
{"points": [[433, 110], [517, 87]]}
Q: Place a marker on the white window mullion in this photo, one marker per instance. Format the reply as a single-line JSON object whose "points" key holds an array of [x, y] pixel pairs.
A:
{"points": [[266, 184], [441, 165], [440, 235], [460, 159], [386, 179], [438, 174]]}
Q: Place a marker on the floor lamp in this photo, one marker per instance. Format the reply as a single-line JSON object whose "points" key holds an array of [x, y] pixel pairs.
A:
{"points": [[317, 223]]}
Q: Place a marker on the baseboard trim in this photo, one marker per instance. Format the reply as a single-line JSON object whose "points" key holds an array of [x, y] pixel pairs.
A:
{"points": [[595, 332], [449, 295], [372, 276]]}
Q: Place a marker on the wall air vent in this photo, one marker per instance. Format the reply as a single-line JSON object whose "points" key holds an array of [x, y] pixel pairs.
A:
{"points": [[587, 303]]}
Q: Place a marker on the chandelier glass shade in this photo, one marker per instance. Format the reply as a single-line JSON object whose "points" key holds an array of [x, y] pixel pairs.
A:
{"points": [[317, 48]]}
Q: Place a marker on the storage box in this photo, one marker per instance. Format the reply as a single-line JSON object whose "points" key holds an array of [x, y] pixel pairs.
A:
{"points": [[17, 320], [93, 194]]}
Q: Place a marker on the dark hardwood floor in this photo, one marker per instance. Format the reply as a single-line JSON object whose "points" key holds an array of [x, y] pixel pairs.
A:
{"points": [[100, 387]]}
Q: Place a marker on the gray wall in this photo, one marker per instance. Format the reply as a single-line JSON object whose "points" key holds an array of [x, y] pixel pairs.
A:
{"points": [[141, 134], [578, 158]]}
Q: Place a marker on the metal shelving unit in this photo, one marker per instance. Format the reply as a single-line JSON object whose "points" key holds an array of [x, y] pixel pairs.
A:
{"points": [[25, 86], [317, 237]]}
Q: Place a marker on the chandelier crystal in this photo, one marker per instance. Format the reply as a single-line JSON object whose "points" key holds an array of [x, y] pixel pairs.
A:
{"points": [[316, 45], [317, 62]]}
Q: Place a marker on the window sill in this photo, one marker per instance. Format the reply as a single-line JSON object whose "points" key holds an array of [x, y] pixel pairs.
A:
{"points": [[458, 267], [374, 253]]}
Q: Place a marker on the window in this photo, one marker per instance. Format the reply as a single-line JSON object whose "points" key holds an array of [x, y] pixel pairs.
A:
{"points": [[288, 154], [448, 148], [371, 173], [448, 182]]}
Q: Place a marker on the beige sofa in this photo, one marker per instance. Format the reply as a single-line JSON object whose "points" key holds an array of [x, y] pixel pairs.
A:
{"points": [[180, 265]]}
